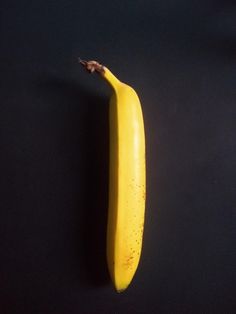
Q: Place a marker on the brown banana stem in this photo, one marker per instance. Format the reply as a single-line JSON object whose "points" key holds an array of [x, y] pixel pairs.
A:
{"points": [[92, 66]]}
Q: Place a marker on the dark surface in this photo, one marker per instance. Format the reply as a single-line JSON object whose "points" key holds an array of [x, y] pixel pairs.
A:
{"points": [[181, 58]]}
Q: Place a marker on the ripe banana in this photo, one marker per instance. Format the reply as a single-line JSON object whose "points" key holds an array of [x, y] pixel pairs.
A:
{"points": [[127, 179]]}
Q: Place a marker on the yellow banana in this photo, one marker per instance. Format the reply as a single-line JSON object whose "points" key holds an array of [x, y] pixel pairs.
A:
{"points": [[127, 179]]}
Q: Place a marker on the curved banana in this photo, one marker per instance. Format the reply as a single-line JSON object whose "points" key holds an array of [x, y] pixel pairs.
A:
{"points": [[127, 179]]}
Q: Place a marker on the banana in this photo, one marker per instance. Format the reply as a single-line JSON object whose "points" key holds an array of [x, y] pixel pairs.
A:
{"points": [[127, 179]]}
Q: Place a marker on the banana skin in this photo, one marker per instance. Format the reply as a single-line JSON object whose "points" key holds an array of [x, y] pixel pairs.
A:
{"points": [[127, 179]]}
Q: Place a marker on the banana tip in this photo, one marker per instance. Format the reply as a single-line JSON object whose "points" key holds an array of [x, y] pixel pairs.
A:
{"points": [[120, 290], [92, 66]]}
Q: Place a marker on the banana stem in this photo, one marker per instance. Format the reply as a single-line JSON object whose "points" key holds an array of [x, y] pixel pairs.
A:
{"points": [[94, 66]]}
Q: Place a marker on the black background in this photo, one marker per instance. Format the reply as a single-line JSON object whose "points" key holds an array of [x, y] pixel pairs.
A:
{"points": [[180, 56]]}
